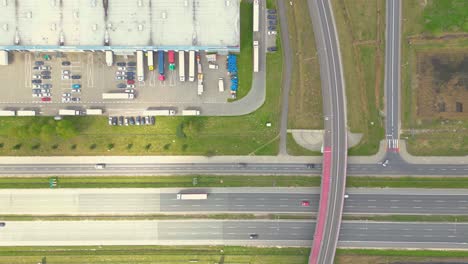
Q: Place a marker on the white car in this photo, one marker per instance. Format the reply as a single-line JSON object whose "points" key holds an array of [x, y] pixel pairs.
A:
{"points": [[120, 73], [65, 72], [66, 94], [45, 95], [44, 68], [65, 77], [66, 99], [76, 90], [129, 90], [45, 90], [36, 86], [130, 86], [271, 32], [121, 68], [36, 95], [119, 77], [37, 76]]}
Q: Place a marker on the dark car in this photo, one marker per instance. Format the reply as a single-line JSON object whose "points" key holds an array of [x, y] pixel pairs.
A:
{"points": [[121, 64], [45, 72], [271, 49], [2, 224], [131, 121], [114, 121], [272, 22], [130, 73], [253, 236], [310, 166], [138, 120], [121, 120], [75, 99], [131, 69], [271, 16], [272, 27], [66, 63], [130, 77], [36, 81], [36, 68], [46, 77], [131, 63], [76, 76], [271, 11], [38, 63], [121, 85], [47, 86]]}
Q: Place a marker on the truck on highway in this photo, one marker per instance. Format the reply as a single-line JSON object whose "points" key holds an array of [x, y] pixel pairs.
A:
{"points": [[192, 196], [182, 66], [150, 60], [25, 113], [161, 65], [255, 56], [118, 96], [159, 112], [109, 58], [171, 60], [69, 112], [140, 69], [7, 113], [190, 112], [256, 18], [94, 111], [191, 66]]}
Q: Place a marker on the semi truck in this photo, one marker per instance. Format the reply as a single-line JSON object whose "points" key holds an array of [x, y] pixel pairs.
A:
{"points": [[256, 18], [3, 57], [192, 196], [191, 66], [69, 112], [221, 84], [161, 65], [159, 112], [7, 113], [140, 69], [93, 111], [150, 60], [118, 96], [26, 113], [190, 112], [171, 60], [255, 56], [182, 66], [109, 58]]}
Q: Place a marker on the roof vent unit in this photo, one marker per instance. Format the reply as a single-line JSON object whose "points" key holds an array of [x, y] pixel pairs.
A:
{"points": [[140, 3], [163, 15], [29, 14], [228, 3], [17, 38], [140, 27], [62, 39], [109, 26], [94, 27], [186, 3], [5, 27], [93, 3], [5, 2], [53, 27], [76, 14], [53, 3]]}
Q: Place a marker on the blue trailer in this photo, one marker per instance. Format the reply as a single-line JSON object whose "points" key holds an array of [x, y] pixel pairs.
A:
{"points": [[161, 65]]}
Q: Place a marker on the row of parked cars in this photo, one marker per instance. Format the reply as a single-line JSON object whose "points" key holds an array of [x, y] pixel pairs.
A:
{"points": [[126, 72], [41, 73], [131, 121], [73, 95], [272, 23]]}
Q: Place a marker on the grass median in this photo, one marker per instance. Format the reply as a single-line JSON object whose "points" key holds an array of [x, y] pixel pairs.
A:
{"points": [[407, 218], [371, 256]]}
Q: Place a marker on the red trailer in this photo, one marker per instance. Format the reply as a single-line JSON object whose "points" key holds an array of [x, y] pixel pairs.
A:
{"points": [[171, 59]]}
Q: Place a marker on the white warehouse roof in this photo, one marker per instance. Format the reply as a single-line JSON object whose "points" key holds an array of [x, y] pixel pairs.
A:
{"points": [[124, 23]]}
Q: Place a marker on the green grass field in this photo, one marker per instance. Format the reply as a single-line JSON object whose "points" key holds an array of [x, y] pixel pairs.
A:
{"points": [[295, 149], [239, 135], [361, 30], [246, 53], [446, 16]]}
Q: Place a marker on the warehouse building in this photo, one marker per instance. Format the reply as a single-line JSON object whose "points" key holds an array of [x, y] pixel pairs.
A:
{"points": [[122, 26]]}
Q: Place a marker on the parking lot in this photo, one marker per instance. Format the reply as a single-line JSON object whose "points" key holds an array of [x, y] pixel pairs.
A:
{"points": [[95, 78]]}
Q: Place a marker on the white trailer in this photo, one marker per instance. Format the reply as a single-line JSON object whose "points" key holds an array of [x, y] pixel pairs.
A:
{"points": [[192, 196], [150, 60], [140, 66], [159, 112], [118, 96], [182, 66], [221, 84], [109, 58], [3, 57], [256, 18], [69, 112], [190, 112], [7, 113], [191, 66], [93, 111], [255, 56], [26, 113]]}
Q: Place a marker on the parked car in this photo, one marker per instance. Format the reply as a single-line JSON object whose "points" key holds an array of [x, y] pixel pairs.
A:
{"points": [[45, 90], [271, 32], [121, 120], [45, 94], [65, 77], [143, 121], [126, 121], [130, 81], [46, 77], [130, 77], [130, 74], [152, 120], [272, 22], [36, 91], [76, 76], [66, 99], [131, 121], [45, 72], [271, 11], [271, 17], [76, 90], [271, 49], [36, 81], [46, 99], [147, 120], [114, 121], [36, 68], [47, 86], [109, 120], [66, 63], [38, 63], [66, 94], [75, 99], [45, 68], [119, 78], [131, 69], [122, 68], [121, 63], [36, 86], [131, 63], [129, 91], [121, 85], [271, 27], [76, 86], [36, 95], [36, 76], [138, 120], [130, 86]]}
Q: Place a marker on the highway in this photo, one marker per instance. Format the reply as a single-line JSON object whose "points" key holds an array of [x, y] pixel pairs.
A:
{"points": [[227, 200], [224, 232], [392, 74]]}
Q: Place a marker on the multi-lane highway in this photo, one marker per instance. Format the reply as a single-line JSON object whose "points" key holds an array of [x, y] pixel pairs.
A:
{"points": [[224, 232], [392, 74], [227, 200], [393, 168]]}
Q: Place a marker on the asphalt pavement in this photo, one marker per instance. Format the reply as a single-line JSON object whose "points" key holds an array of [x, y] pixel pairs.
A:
{"points": [[227, 200], [222, 232]]}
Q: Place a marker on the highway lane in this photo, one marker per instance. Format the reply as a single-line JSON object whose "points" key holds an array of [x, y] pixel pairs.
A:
{"points": [[227, 200], [393, 168], [228, 232], [392, 74]]}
